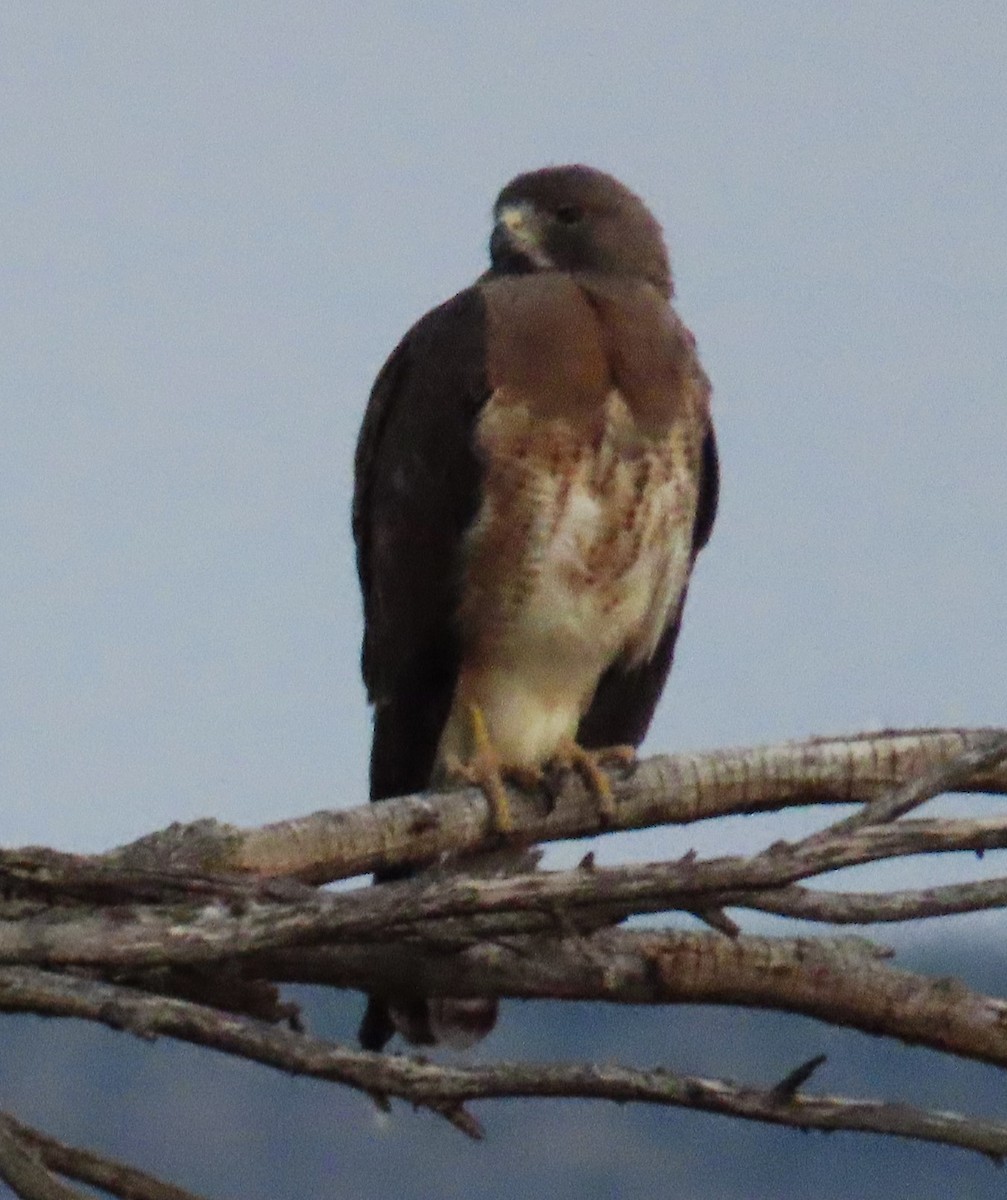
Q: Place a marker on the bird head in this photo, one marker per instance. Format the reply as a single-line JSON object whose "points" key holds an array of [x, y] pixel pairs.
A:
{"points": [[576, 218]]}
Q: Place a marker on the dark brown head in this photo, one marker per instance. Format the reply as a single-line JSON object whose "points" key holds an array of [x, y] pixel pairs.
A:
{"points": [[577, 219]]}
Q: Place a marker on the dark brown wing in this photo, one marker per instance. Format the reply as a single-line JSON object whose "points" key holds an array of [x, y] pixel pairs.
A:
{"points": [[626, 697], [417, 490]]}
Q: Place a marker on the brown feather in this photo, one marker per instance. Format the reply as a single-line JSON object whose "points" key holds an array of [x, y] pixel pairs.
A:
{"points": [[535, 474]]}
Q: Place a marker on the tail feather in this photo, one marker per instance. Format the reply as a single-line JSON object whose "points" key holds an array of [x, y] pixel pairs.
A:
{"points": [[443, 1021]]}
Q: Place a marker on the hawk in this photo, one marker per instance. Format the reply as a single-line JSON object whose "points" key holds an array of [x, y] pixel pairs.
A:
{"points": [[535, 475]]}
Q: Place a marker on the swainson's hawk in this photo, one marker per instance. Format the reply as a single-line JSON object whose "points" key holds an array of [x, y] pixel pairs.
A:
{"points": [[535, 475]]}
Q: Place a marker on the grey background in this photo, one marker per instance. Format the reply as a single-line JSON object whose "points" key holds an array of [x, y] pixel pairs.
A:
{"points": [[216, 219]]}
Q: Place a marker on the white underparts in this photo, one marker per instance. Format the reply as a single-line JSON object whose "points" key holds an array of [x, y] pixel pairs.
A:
{"points": [[595, 541]]}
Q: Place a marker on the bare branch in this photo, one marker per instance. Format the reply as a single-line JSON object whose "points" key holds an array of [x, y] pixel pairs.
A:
{"points": [[667, 790], [100, 1172], [152, 937], [869, 908], [949, 776], [444, 1088], [25, 1173], [794, 1080], [842, 981], [186, 934]]}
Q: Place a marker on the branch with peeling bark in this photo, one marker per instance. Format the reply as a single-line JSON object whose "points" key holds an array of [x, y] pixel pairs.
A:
{"points": [[191, 933], [445, 1089], [666, 790]]}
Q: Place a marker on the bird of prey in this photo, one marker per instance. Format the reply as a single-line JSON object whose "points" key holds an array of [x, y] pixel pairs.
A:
{"points": [[535, 475]]}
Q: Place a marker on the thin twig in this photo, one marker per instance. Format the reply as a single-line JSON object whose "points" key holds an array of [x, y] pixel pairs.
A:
{"points": [[794, 1080], [871, 908], [439, 1087], [987, 755], [23, 1171], [108, 1174]]}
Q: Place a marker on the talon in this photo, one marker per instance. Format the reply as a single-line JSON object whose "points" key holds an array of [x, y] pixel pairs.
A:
{"points": [[487, 761], [616, 756], [589, 765], [486, 771]]}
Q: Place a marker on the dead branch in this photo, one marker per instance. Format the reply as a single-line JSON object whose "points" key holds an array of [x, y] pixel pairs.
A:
{"points": [[871, 908], [146, 937], [85, 1166], [191, 932], [26, 1174], [666, 790], [446, 1089], [843, 981]]}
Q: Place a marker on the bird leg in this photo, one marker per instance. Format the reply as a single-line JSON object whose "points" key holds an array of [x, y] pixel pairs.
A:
{"points": [[590, 766], [487, 771]]}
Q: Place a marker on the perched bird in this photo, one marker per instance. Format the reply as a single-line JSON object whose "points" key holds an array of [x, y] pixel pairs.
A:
{"points": [[535, 475]]}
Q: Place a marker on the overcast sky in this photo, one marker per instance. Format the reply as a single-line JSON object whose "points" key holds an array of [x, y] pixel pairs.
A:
{"points": [[217, 219]]}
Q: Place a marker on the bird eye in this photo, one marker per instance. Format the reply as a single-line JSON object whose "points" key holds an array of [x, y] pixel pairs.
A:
{"points": [[569, 214]]}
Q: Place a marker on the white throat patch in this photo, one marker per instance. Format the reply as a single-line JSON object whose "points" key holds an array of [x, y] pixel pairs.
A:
{"points": [[521, 224]]}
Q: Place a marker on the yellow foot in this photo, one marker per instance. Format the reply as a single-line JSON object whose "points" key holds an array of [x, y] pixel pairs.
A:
{"points": [[487, 771], [590, 766]]}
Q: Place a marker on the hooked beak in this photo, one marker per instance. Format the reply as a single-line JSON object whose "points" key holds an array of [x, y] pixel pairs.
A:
{"points": [[517, 235]]}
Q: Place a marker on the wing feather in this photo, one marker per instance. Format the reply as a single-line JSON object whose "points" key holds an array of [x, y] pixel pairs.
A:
{"points": [[417, 491]]}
